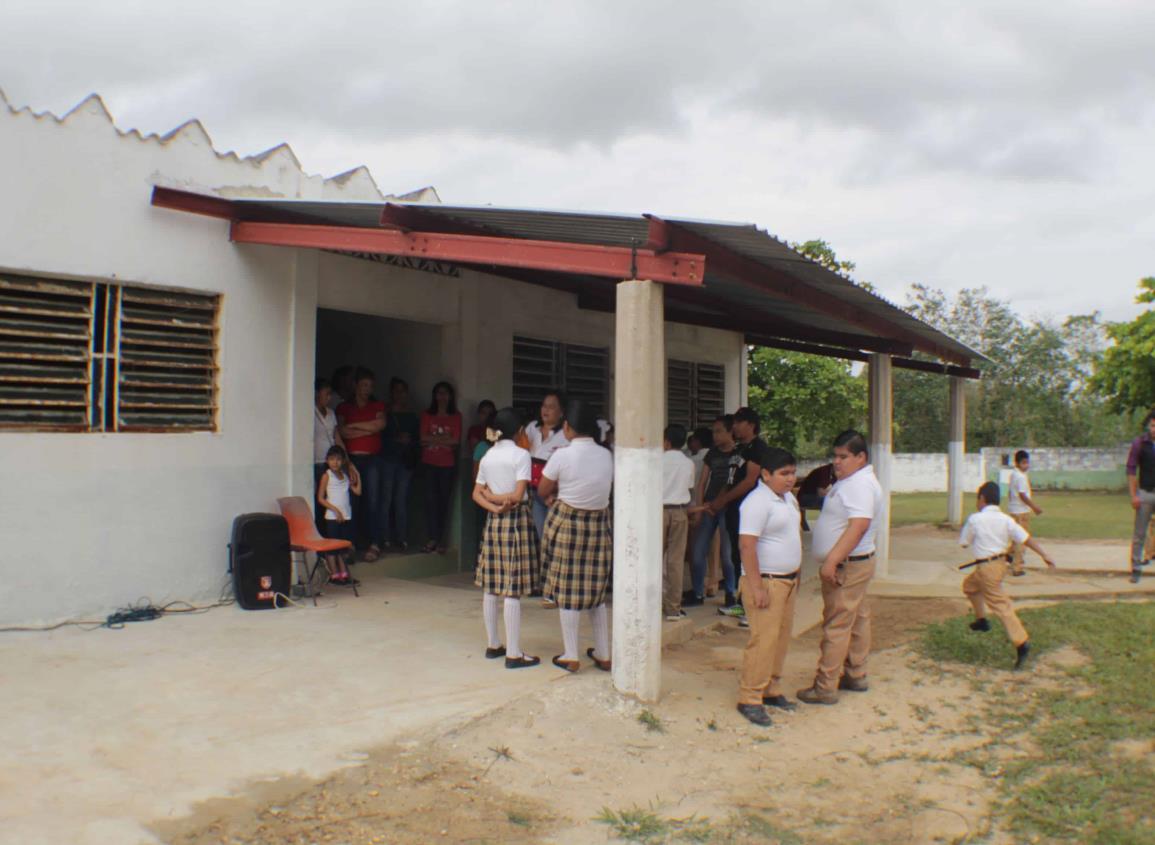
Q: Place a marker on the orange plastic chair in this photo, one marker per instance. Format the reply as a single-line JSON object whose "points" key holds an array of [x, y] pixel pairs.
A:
{"points": [[303, 538]]}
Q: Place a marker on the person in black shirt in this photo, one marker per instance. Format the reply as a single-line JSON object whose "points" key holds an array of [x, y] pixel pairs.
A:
{"points": [[745, 468]]}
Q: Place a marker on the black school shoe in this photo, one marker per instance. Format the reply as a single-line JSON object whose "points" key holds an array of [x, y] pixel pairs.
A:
{"points": [[981, 625], [494, 653], [691, 600], [781, 702], [756, 713], [1023, 653]]}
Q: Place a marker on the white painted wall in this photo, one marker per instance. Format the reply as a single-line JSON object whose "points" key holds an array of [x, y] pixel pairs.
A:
{"points": [[95, 521], [924, 472]]}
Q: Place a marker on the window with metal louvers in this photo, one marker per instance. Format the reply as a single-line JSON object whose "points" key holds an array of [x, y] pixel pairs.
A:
{"points": [[84, 356]]}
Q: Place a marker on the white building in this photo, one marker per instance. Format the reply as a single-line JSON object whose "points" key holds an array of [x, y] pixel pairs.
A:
{"points": [[130, 442]]}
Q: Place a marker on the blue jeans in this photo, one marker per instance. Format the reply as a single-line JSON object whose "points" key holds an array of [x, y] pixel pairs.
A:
{"points": [[540, 512], [369, 502], [701, 551], [395, 480]]}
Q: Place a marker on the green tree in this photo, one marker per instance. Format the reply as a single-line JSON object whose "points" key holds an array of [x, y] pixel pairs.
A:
{"points": [[804, 400], [1125, 373]]}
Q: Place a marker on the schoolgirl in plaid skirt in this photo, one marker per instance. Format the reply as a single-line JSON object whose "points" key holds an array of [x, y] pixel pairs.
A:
{"points": [[508, 563], [577, 543]]}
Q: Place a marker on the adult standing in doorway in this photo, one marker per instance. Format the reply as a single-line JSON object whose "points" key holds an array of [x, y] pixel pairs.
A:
{"points": [[746, 462], [577, 544], [440, 439], [398, 459], [1141, 485], [486, 411], [844, 543], [361, 421], [545, 436]]}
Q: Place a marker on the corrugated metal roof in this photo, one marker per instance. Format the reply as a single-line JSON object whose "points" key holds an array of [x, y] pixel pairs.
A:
{"points": [[721, 295]]}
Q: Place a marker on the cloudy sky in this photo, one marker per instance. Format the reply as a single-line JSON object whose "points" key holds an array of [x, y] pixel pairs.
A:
{"points": [[1006, 144]]}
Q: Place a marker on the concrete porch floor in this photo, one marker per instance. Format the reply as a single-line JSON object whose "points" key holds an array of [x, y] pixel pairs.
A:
{"points": [[106, 731]]}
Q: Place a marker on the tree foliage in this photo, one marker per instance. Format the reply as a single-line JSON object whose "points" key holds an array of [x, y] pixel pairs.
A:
{"points": [[1034, 391], [1125, 376]]}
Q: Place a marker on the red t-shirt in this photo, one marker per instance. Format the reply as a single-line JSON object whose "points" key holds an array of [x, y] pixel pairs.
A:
{"points": [[440, 456], [350, 412]]}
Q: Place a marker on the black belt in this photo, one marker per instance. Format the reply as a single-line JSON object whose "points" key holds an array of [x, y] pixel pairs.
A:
{"points": [[793, 576], [985, 560], [675, 507], [859, 558]]}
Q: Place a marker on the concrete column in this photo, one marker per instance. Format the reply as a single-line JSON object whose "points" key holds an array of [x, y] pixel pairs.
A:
{"points": [[881, 376], [301, 371], [639, 418], [956, 451]]}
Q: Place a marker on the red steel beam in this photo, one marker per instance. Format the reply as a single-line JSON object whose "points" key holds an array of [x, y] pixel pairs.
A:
{"points": [[776, 283], [559, 257], [193, 203]]}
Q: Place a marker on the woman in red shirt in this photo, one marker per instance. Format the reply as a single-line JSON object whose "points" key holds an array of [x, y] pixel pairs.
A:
{"points": [[440, 439], [361, 422]]}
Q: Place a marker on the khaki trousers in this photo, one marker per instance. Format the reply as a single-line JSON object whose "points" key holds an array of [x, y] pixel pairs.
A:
{"points": [[984, 588], [714, 564], [770, 629], [675, 527], [845, 625], [1018, 553]]}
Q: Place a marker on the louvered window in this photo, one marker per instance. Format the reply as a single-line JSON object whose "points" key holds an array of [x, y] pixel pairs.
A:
{"points": [[79, 356], [695, 393], [580, 372]]}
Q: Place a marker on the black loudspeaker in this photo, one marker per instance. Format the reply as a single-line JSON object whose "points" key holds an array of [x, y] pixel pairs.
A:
{"points": [[259, 558]]}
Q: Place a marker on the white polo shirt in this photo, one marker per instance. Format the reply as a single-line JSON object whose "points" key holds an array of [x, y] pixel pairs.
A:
{"points": [[324, 433], [542, 447], [502, 466], [990, 532], [777, 523], [1019, 483], [856, 497], [584, 472], [677, 478]]}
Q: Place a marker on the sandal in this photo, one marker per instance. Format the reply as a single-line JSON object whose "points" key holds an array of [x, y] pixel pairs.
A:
{"points": [[570, 666], [604, 665], [494, 653], [523, 662]]}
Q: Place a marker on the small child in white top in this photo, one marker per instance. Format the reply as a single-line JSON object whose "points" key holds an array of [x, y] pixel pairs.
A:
{"points": [[333, 494], [1020, 505], [678, 476]]}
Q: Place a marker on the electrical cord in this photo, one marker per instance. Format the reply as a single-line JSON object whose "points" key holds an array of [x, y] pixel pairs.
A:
{"points": [[142, 611]]}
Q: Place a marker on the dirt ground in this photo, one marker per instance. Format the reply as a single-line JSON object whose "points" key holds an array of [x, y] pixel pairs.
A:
{"points": [[880, 767]]}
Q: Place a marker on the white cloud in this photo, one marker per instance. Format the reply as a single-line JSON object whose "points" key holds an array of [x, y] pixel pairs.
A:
{"points": [[1005, 144]]}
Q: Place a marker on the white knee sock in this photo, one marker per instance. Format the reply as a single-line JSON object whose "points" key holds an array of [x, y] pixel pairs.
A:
{"points": [[601, 623], [512, 627], [489, 610], [570, 624]]}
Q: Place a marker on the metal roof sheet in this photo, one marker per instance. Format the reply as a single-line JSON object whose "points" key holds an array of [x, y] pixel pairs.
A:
{"points": [[722, 296]]}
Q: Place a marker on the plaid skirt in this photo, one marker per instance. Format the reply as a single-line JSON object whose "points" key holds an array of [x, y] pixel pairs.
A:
{"points": [[577, 550], [508, 563]]}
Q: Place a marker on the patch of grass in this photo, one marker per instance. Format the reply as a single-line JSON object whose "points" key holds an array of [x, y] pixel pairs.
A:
{"points": [[635, 824], [1071, 787], [1066, 515], [712, 725], [519, 819], [652, 722]]}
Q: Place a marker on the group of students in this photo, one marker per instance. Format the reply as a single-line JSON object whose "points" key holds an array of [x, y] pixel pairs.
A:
{"points": [[365, 453]]}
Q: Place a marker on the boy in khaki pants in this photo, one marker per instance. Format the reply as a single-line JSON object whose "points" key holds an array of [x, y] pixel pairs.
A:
{"points": [[990, 533], [1020, 505], [770, 542], [677, 480]]}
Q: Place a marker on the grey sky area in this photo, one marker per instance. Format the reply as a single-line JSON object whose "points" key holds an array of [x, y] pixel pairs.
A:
{"points": [[1006, 144]]}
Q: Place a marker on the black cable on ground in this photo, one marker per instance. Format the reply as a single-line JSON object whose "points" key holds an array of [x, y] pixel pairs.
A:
{"points": [[143, 611]]}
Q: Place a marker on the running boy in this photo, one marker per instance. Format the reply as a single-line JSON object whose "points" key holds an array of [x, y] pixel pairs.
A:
{"points": [[990, 533], [1021, 506], [770, 539]]}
